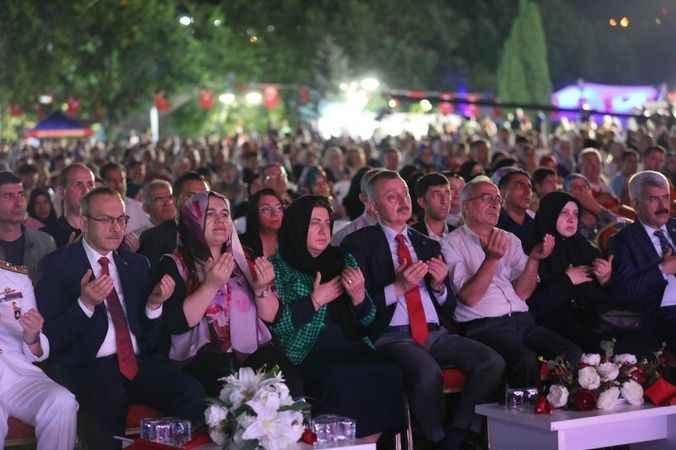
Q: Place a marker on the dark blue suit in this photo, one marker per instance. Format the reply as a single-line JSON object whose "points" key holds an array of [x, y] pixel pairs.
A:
{"points": [[422, 365], [637, 282], [75, 339]]}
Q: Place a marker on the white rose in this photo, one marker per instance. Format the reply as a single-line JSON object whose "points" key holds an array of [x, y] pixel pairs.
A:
{"points": [[217, 436], [591, 359], [608, 371], [624, 358], [588, 378], [608, 398], [558, 396], [214, 415], [632, 392]]}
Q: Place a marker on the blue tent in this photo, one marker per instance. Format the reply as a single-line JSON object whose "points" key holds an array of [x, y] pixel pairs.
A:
{"points": [[58, 125]]}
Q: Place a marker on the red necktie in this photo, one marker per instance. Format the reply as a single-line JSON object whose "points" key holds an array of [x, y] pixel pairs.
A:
{"points": [[125, 350], [416, 313]]}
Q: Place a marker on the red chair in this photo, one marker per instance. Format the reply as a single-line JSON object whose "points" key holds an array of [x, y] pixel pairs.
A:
{"points": [[453, 382], [20, 433]]}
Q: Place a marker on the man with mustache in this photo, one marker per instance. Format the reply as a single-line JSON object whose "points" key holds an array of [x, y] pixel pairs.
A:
{"points": [[408, 280], [645, 257]]}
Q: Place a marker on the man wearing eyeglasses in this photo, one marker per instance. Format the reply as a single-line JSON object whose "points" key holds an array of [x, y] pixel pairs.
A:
{"points": [[101, 317], [494, 278]]}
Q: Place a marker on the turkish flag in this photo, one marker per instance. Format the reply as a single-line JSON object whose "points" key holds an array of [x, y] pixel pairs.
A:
{"points": [[161, 103], [206, 100]]}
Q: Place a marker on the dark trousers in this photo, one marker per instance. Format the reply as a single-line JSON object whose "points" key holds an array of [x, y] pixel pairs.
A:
{"points": [[520, 341], [104, 395], [421, 366]]}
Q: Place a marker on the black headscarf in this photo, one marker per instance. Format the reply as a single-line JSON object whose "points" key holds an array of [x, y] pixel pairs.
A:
{"points": [[330, 263], [574, 250], [252, 238]]}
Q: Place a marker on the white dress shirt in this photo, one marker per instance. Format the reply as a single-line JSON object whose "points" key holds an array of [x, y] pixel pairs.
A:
{"points": [[432, 235], [669, 296], [464, 255], [109, 346], [400, 316]]}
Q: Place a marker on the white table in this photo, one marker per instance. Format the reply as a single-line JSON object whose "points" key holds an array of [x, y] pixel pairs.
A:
{"points": [[646, 427]]}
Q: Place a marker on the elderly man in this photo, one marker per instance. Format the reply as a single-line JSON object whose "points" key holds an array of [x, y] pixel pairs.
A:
{"points": [[102, 317], [644, 266], [456, 183], [590, 164], [76, 180], [115, 177], [407, 279], [494, 278], [274, 177], [594, 216], [25, 391], [158, 202]]}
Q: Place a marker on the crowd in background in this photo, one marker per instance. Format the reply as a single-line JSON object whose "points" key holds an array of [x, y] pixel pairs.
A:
{"points": [[327, 252]]}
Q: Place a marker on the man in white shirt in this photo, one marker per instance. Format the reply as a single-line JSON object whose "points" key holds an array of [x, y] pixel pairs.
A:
{"points": [[407, 280], [102, 319], [493, 279], [25, 391], [644, 265]]}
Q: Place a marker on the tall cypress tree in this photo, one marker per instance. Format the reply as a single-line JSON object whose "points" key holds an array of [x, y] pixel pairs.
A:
{"points": [[523, 73]]}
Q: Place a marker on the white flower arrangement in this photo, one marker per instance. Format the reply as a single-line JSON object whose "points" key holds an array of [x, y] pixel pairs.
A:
{"points": [[598, 381], [255, 409]]}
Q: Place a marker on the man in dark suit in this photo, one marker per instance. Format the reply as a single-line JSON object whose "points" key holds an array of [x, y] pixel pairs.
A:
{"points": [[101, 317], [163, 238], [433, 194], [644, 261], [408, 281]]}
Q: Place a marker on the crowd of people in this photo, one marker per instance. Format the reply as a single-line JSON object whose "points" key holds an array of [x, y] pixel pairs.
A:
{"points": [[144, 273]]}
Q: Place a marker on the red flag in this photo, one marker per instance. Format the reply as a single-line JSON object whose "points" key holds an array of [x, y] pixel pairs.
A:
{"points": [[271, 97], [73, 106], [206, 100], [304, 94], [161, 103], [15, 110]]}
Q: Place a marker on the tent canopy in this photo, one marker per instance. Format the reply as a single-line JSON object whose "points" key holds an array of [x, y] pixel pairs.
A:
{"points": [[58, 125]]}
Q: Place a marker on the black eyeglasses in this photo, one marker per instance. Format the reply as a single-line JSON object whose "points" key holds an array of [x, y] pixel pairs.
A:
{"points": [[107, 220]]}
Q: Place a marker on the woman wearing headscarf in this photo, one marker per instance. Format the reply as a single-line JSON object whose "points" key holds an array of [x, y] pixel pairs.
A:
{"points": [[322, 324], [211, 320], [263, 221], [570, 293]]}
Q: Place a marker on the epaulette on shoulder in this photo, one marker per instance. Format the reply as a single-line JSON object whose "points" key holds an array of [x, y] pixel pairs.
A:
{"points": [[13, 267]]}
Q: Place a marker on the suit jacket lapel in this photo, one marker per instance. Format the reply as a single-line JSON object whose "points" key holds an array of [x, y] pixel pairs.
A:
{"points": [[645, 242], [671, 229]]}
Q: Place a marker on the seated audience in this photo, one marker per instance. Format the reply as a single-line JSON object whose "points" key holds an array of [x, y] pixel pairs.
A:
{"points": [[41, 213], [644, 265], [210, 319], [26, 392], [456, 184], [367, 217], [408, 280], [101, 318], [19, 244], [163, 238], [571, 291], [517, 192], [493, 278], [322, 324], [263, 221], [594, 216], [433, 194]]}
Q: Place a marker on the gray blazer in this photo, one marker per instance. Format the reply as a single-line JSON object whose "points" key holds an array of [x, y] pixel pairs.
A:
{"points": [[37, 245]]}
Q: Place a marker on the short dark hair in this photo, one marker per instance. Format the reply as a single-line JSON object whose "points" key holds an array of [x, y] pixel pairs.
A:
{"points": [[188, 176], [541, 173], [504, 180], [85, 202], [7, 177], [25, 169], [110, 166], [627, 153], [653, 149], [427, 181]]}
